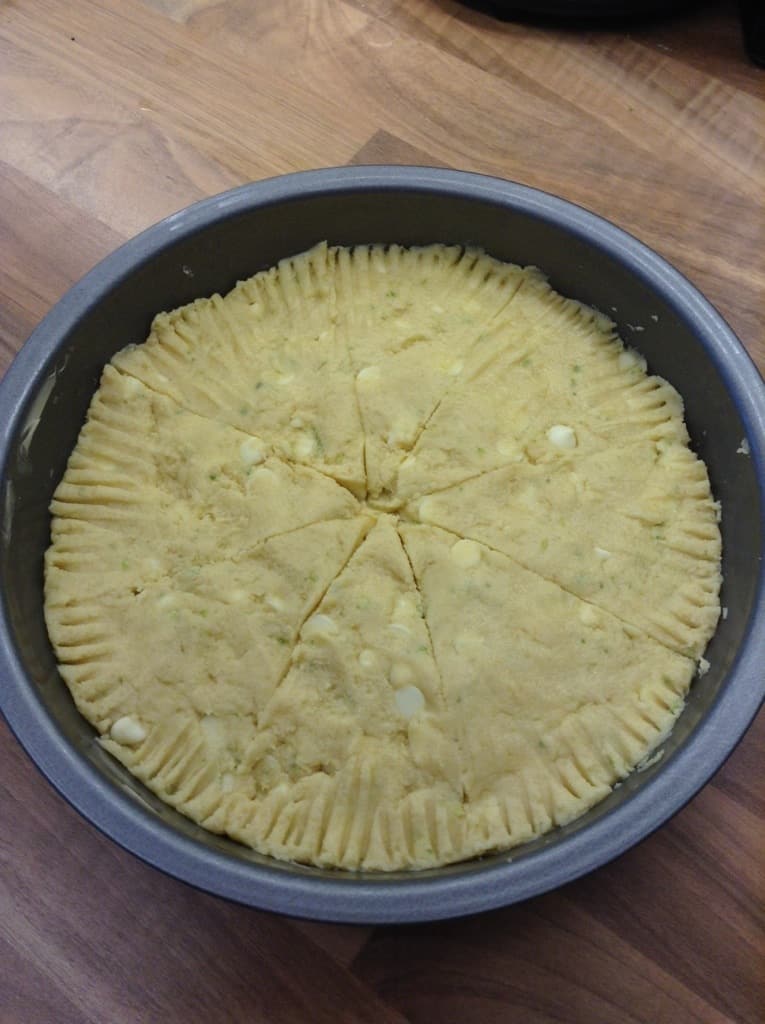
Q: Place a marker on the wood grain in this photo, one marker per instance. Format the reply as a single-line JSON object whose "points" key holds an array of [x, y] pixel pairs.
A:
{"points": [[113, 115]]}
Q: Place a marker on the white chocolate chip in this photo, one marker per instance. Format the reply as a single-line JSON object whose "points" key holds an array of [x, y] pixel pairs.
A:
{"points": [[285, 378], [367, 658], [602, 553], [588, 615], [227, 782], [402, 432], [466, 554], [626, 360], [406, 607], [368, 375], [320, 625], [508, 450], [409, 700], [166, 601], [467, 643], [401, 674], [561, 436], [262, 474], [238, 595], [275, 602], [251, 452], [131, 387], [304, 446], [426, 510], [128, 731], [296, 422], [399, 627], [704, 666], [456, 368]]}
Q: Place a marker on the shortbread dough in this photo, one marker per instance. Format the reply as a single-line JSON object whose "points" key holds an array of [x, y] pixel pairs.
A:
{"points": [[387, 559]]}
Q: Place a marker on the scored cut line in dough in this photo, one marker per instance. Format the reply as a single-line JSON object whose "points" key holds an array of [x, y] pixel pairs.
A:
{"points": [[627, 623], [262, 359], [661, 553], [536, 711]]}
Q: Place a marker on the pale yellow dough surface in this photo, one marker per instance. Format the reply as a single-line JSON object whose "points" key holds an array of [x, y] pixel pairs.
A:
{"points": [[386, 559]]}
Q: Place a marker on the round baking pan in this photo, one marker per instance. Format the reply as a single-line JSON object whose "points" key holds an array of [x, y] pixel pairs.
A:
{"points": [[207, 248]]}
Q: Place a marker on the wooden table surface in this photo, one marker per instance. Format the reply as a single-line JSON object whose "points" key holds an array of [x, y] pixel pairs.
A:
{"points": [[113, 114]]}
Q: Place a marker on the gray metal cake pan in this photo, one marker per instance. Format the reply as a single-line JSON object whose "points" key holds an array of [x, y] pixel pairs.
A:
{"points": [[208, 247]]}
